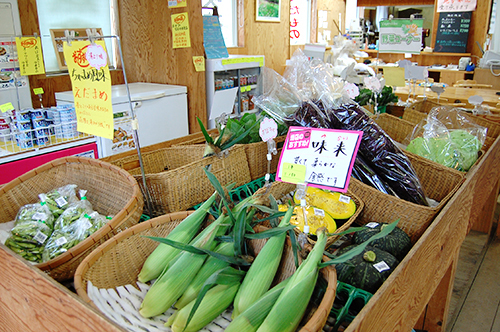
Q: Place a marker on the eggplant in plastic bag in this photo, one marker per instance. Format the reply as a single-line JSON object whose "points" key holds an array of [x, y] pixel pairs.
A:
{"points": [[380, 152], [365, 174]]}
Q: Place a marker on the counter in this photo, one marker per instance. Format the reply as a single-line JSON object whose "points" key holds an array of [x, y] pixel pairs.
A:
{"points": [[417, 293]]}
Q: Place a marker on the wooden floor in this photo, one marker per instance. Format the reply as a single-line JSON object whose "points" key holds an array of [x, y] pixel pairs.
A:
{"points": [[475, 305]]}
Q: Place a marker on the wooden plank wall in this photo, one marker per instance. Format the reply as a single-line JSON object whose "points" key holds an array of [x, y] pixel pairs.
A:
{"points": [[146, 35], [478, 28]]}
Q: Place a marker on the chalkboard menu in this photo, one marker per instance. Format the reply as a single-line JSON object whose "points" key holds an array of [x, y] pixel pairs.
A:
{"points": [[452, 32]]}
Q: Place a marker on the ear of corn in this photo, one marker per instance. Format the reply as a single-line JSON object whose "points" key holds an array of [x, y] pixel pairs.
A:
{"points": [[216, 300], [250, 319], [262, 271], [211, 265], [174, 280], [291, 305], [184, 232]]}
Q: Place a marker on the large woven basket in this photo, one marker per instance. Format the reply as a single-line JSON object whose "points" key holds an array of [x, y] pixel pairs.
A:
{"points": [[439, 183], [257, 157], [110, 190], [282, 191], [418, 111], [399, 130], [175, 178], [118, 262]]}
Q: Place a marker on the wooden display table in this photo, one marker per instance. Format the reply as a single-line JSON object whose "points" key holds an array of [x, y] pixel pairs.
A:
{"points": [[417, 293], [452, 94]]}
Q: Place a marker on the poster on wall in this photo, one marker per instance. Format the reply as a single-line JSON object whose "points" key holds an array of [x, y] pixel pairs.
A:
{"points": [[298, 22], [456, 5], [29, 50], [213, 40], [400, 36], [177, 3], [180, 30]]}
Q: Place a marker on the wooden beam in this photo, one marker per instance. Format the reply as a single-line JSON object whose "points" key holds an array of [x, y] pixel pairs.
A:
{"points": [[438, 307], [32, 301]]}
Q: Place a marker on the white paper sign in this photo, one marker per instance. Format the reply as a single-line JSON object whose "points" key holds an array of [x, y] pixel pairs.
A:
{"points": [[456, 5], [223, 102], [416, 73], [322, 158], [268, 129]]}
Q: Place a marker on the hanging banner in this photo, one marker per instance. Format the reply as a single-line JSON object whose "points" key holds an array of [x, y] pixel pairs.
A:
{"points": [[400, 36], [180, 30], [456, 5], [322, 158], [29, 53], [91, 88], [298, 22]]}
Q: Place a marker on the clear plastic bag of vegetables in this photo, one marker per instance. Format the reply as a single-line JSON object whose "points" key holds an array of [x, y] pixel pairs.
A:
{"points": [[72, 234], [60, 198], [74, 211], [448, 138], [32, 227], [332, 109]]}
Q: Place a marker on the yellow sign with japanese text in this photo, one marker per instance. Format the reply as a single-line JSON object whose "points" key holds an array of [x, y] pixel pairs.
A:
{"points": [[29, 52], [199, 62], [180, 30], [91, 90]]}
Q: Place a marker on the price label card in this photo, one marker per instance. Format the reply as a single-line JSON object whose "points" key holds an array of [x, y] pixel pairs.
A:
{"points": [[293, 173], [38, 91], [326, 156], [268, 129], [96, 56], [6, 107]]}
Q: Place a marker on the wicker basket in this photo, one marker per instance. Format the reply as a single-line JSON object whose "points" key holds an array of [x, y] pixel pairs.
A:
{"points": [[411, 114], [439, 183], [257, 157], [175, 177], [281, 191], [399, 129], [110, 190], [118, 262]]}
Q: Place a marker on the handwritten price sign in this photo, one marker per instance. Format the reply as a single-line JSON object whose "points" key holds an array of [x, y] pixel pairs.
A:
{"points": [[91, 84], [268, 129], [321, 158]]}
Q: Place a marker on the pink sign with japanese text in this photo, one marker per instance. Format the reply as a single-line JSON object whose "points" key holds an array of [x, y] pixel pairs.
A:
{"points": [[321, 158]]}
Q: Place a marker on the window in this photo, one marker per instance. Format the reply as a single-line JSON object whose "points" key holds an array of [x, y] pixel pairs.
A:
{"points": [[56, 14], [228, 17]]}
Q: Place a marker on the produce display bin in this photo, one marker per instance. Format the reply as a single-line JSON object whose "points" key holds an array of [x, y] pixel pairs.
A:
{"points": [[439, 183], [418, 111], [175, 178], [346, 298], [400, 130], [257, 157], [118, 262], [111, 191], [281, 191]]}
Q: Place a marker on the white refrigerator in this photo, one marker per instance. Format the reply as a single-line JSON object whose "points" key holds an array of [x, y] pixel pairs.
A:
{"points": [[161, 111]]}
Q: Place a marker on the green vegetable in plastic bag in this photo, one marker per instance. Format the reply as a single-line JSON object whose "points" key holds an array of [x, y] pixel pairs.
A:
{"points": [[72, 234]]}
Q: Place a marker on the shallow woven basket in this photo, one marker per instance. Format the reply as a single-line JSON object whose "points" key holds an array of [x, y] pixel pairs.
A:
{"points": [[439, 183], [281, 191], [110, 190], [118, 262], [175, 177]]}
